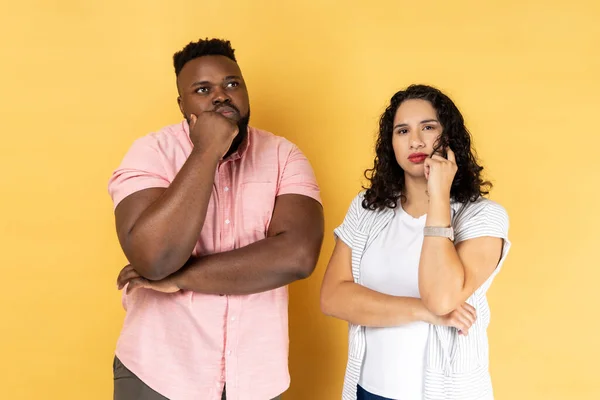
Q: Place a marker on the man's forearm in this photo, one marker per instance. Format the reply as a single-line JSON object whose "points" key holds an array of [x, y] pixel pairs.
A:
{"points": [[163, 237], [441, 273], [264, 265]]}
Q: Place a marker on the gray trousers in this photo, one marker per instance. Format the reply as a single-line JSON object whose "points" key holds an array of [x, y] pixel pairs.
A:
{"points": [[127, 386]]}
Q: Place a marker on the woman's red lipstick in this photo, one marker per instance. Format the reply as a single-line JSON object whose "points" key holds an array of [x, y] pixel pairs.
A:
{"points": [[417, 158]]}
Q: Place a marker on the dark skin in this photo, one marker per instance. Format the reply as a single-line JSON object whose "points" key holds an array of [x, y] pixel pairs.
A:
{"points": [[158, 228]]}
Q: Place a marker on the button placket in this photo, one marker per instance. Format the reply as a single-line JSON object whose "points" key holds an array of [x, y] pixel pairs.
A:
{"points": [[231, 356]]}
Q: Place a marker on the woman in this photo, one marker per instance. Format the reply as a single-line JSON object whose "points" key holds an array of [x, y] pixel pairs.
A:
{"points": [[414, 257]]}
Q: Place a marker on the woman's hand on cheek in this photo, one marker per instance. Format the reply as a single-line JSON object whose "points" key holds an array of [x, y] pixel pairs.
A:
{"points": [[440, 173]]}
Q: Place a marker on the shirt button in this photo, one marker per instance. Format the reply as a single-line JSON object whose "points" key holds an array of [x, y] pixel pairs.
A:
{"points": [[227, 221], [233, 318], [226, 188], [228, 352]]}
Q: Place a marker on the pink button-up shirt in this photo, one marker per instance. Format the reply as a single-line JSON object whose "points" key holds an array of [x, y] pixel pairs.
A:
{"points": [[186, 345]]}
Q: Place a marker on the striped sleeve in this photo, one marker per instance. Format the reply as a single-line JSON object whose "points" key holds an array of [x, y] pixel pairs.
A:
{"points": [[346, 230], [484, 218]]}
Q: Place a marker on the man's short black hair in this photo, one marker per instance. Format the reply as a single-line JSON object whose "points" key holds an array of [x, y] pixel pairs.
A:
{"points": [[203, 47]]}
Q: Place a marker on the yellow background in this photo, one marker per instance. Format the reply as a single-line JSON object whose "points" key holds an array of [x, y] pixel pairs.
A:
{"points": [[80, 80]]}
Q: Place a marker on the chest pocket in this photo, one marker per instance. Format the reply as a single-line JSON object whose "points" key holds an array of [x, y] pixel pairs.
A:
{"points": [[257, 200]]}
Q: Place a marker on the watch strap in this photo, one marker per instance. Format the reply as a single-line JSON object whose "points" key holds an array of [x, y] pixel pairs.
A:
{"points": [[439, 231]]}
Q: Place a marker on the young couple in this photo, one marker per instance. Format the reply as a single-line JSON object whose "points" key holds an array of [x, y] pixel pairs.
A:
{"points": [[217, 217]]}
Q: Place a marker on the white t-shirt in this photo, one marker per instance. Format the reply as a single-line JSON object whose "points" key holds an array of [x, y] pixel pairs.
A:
{"points": [[395, 356]]}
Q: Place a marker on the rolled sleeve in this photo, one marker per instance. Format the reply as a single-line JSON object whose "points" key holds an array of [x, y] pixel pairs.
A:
{"points": [[142, 168], [485, 218], [298, 176]]}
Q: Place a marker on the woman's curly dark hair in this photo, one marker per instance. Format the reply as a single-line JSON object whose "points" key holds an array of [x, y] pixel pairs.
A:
{"points": [[387, 177]]}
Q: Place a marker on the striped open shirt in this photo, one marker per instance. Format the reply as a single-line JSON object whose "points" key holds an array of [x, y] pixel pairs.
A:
{"points": [[456, 366]]}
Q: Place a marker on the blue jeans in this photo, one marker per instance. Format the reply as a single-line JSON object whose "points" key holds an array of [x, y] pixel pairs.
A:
{"points": [[362, 394]]}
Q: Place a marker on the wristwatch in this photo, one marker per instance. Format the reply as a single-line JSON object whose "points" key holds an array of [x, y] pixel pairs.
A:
{"points": [[446, 232]]}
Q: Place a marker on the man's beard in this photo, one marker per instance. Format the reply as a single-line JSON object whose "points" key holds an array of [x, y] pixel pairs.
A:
{"points": [[242, 134]]}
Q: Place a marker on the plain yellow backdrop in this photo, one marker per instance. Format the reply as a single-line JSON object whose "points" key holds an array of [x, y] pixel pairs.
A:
{"points": [[80, 80]]}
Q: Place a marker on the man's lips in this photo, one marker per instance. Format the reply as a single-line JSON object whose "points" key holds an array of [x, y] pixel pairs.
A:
{"points": [[227, 111]]}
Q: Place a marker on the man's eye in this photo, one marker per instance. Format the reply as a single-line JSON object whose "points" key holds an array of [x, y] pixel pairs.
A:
{"points": [[233, 84], [202, 90]]}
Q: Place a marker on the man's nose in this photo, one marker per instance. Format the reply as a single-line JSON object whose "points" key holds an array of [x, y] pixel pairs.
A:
{"points": [[220, 96]]}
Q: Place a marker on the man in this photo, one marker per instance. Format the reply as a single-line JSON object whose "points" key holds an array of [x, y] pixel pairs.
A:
{"points": [[216, 218]]}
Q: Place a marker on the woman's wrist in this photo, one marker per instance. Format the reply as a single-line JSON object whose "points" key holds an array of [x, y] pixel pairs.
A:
{"points": [[439, 211]]}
